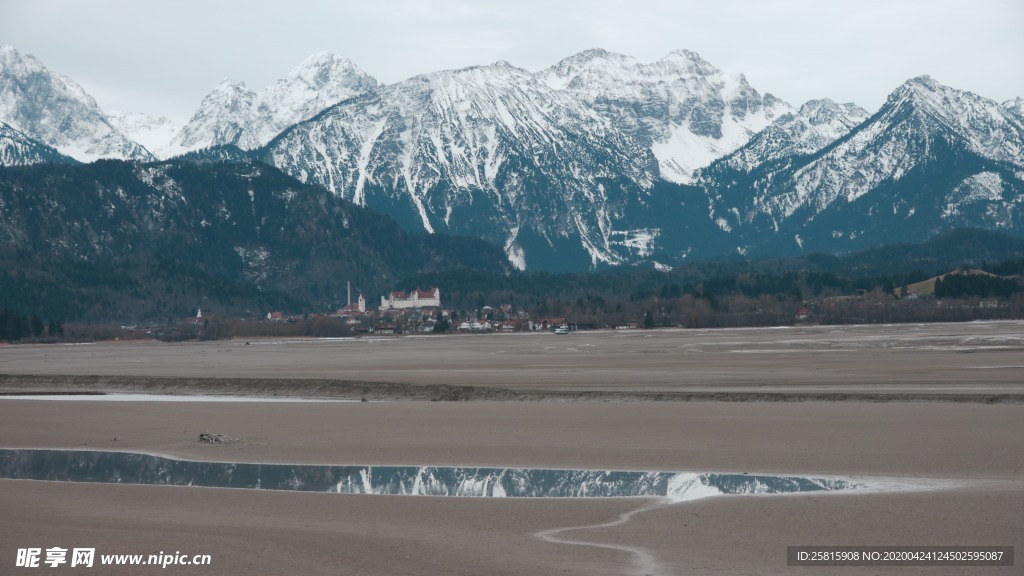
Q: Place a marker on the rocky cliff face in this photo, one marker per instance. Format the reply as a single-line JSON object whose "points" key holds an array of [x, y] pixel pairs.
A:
{"points": [[814, 126], [687, 111], [931, 159], [55, 110], [489, 151]]}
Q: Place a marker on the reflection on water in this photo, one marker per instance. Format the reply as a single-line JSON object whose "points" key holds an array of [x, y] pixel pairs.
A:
{"points": [[128, 468]]}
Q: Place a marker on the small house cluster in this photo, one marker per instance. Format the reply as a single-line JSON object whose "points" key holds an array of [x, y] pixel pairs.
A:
{"points": [[417, 311], [420, 311]]}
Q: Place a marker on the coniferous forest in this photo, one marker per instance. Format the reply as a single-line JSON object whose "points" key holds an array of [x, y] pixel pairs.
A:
{"points": [[121, 243]]}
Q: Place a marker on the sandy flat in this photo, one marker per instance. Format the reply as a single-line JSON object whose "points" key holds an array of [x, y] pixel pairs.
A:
{"points": [[968, 357], [965, 461], [978, 450]]}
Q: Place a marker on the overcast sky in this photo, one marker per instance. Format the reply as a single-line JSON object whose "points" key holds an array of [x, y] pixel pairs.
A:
{"points": [[163, 56]]}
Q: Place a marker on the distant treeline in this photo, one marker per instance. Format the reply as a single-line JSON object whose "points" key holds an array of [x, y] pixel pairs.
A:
{"points": [[14, 326], [977, 285], [159, 290], [762, 293]]}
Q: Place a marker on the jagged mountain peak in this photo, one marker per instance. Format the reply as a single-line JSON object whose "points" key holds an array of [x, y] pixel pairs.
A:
{"points": [[592, 54], [223, 117], [482, 84], [499, 71], [621, 68], [10, 57], [228, 95], [485, 150], [822, 110], [577, 68], [826, 112], [924, 82], [15, 64], [688, 61], [988, 128], [590, 57], [924, 94], [325, 71], [687, 111], [920, 91], [876, 165], [816, 124], [1016, 106], [234, 114], [230, 86], [58, 112], [324, 59]]}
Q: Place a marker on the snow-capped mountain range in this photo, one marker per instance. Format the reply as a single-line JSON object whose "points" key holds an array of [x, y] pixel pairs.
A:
{"points": [[931, 159], [58, 112], [600, 159], [815, 125], [234, 114], [685, 110], [488, 150]]}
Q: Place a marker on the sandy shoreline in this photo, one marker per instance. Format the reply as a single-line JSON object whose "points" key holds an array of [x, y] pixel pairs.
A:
{"points": [[975, 450], [977, 357], [283, 389], [979, 447]]}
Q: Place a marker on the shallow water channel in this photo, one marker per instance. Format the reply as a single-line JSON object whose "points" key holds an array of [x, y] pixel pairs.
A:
{"points": [[131, 468]]}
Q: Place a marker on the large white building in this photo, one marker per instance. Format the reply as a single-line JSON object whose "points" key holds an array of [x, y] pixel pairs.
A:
{"points": [[416, 299]]}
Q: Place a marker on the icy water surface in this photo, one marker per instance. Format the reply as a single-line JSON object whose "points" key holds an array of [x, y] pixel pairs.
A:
{"points": [[130, 468]]}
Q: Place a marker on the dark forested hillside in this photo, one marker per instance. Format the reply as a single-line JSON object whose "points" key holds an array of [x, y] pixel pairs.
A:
{"points": [[766, 291], [122, 241]]}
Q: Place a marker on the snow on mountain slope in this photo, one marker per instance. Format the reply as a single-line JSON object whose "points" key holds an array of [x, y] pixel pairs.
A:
{"points": [[687, 111], [224, 115], [932, 159], [1016, 106], [151, 131], [55, 110], [815, 125], [18, 149], [898, 138], [234, 114], [986, 188], [320, 81], [486, 150]]}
